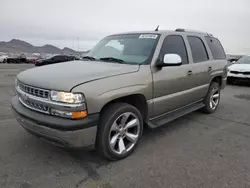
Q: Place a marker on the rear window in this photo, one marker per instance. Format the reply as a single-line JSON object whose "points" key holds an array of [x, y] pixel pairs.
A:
{"points": [[216, 48]]}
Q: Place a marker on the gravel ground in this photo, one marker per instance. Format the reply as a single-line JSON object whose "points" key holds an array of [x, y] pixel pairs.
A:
{"points": [[196, 150]]}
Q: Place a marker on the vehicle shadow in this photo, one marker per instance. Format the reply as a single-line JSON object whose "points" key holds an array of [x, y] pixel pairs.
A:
{"points": [[168, 128]]}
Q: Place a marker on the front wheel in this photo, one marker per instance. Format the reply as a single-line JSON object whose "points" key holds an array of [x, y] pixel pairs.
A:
{"points": [[119, 132], [212, 99]]}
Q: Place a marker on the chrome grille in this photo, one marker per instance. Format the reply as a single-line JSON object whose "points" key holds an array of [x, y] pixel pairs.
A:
{"points": [[34, 106], [246, 73], [238, 72], [234, 72], [30, 96], [34, 91]]}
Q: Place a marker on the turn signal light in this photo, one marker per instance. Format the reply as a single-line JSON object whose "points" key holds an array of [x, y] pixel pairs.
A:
{"points": [[78, 115]]}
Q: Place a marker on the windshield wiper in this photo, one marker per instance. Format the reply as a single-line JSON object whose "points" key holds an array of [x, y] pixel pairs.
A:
{"points": [[89, 57], [112, 59]]}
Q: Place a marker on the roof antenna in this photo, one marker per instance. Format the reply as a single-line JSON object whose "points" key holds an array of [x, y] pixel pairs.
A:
{"points": [[157, 28]]}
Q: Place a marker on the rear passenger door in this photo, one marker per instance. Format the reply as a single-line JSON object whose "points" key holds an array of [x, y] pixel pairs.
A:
{"points": [[201, 66]]}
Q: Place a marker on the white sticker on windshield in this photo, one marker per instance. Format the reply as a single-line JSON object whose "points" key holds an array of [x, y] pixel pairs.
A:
{"points": [[148, 36]]}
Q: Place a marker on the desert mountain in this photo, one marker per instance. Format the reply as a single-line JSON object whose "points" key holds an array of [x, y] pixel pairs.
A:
{"points": [[19, 46]]}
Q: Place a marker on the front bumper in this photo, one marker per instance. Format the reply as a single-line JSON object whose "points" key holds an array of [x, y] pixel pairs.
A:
{"points": [[59, 131], [238, 77]]}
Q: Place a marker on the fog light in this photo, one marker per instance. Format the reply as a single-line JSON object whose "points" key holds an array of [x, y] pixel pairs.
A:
{"points": [[66, 114]]}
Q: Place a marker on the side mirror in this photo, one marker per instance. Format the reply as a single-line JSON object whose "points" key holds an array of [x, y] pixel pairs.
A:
{"points": [[170, 60]]}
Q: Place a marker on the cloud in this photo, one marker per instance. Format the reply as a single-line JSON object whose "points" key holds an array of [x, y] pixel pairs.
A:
{"points": [[90, 20]]}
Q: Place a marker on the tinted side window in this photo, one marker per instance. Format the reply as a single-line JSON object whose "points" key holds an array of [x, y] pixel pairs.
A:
{"points": [[216, 48], [198, 49], [174, 44]]}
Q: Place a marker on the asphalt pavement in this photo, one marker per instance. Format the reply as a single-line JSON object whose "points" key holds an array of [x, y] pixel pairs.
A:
{"points": [[197, 150]]}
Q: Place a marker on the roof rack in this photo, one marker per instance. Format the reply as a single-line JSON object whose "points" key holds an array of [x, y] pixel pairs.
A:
{"points": [[194, 31]]}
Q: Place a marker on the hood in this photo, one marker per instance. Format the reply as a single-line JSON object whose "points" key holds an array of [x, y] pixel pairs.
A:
{"points": [[64, 76], [240, 67]]}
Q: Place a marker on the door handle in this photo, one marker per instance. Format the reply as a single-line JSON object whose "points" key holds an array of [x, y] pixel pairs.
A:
{"points": [[209, 69], [189, 73]]}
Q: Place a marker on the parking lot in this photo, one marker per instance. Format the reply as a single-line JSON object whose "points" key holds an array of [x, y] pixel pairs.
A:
{"points": [[197, 150]]}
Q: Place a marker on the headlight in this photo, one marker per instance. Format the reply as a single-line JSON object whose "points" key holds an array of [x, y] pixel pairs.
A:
{"points": [[64, 97]]}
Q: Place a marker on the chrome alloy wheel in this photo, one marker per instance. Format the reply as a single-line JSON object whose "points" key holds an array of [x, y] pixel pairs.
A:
{"points": [[124, 133], [214, 98]]}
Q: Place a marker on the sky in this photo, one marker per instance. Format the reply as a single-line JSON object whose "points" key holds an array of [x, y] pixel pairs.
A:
{"points": [[82, 23]]}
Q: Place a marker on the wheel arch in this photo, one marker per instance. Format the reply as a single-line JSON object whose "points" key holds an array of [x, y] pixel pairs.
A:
{"points": [[137, 100], [217, 79]]}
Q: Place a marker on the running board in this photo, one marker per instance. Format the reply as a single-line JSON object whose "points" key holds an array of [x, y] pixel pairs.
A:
{"points": [[164, 119]]}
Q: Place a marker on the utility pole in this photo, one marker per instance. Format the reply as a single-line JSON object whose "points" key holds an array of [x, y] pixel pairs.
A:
{"points": [[78, 43]]}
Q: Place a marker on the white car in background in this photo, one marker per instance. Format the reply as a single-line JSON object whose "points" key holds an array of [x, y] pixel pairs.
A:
{"points": [[239, 71], [3, 58]]}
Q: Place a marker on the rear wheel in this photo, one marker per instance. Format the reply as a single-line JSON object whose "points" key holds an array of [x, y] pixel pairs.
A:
{"points": [[120, 129], [212, 99]]}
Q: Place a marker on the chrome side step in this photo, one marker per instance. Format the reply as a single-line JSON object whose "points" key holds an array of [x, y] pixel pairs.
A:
{"points": [[162, 120]]}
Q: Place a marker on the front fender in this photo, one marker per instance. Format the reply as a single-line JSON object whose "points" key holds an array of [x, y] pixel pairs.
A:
{"points": [[123, 92], [95, 102], [100, 92]]}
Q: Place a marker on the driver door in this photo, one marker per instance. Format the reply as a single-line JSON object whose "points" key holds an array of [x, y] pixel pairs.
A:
{"points": [[172, 86]]}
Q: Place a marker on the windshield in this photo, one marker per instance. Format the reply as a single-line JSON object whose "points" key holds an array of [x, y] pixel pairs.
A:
{"points": [[128, 48], [244, 60]]}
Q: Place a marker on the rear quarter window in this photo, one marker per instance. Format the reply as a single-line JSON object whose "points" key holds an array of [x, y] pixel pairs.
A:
{"points": [[198, 49], [216, 48]]}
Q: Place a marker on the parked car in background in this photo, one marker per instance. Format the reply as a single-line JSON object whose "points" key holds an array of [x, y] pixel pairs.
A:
{"points": [[127, 81], [3, 59], [55, 59], [31, 60], [17, 59], [239, 71], [39, 59], [75, 57]]}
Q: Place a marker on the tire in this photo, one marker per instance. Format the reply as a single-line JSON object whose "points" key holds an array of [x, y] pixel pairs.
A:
{"points": [[213, 94], [107, 131]]}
